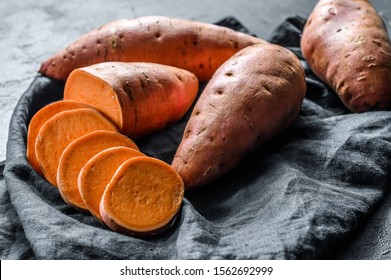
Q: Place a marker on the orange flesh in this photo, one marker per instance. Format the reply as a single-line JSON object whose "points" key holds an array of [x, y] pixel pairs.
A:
{"points": [[97, 172], [87, 88], [38, 121], [59, 131], [77, 154], [143, 196]]}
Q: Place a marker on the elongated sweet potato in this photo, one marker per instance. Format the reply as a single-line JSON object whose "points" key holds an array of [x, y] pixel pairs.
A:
{"points": [[97, 173], [143, 197], [252, 97], [59, 131], [39, 119], [198, 47], [346, 45], [140, 98], [77, 154]]}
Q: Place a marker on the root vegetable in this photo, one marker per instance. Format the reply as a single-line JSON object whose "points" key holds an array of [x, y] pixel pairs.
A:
{"points": [[140, 98], [77, 154], [59, 131], [39, 119], [252, 97], [198, 47], [97, 172], [143, 197], [347, 46]]}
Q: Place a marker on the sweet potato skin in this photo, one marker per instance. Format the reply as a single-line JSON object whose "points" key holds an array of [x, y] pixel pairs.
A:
{"points": [[196, 46], [140, 98], [252, 97], [346, 45]]}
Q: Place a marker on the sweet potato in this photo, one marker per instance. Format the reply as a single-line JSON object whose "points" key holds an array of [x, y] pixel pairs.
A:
{"points": [[252, 97], [198, 47], [346, 45], [39, 119], [143, 197], [60, 130], [77, 154], [97, 172], [140, 98]]}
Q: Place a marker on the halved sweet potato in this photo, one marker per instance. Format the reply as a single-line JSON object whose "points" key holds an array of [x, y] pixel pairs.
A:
{"points": [[140, 98]]}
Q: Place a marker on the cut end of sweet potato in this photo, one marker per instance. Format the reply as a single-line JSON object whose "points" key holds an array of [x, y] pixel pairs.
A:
{"points": [[97, 173], [77, 154], [143, 197], [87, 88], [59, 131]]}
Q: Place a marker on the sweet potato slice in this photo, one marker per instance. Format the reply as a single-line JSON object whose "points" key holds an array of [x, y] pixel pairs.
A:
{"points": [[143, 197], [196, 46], [39, 119], [60, 130], [97, 172], [140, 98], [77, 154], [346, 44], [253, 96]]}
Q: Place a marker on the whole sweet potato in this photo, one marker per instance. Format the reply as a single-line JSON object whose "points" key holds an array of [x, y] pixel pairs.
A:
{"points": [[346, 45], [252, 97], [196, 46]]}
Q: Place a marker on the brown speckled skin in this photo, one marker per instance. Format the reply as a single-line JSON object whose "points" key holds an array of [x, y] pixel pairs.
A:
{"points": [[347, 46], [252, 97], [196, 46]]}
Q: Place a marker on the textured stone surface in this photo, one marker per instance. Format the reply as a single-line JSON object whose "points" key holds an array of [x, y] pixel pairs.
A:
{"points": [[33, 30]]}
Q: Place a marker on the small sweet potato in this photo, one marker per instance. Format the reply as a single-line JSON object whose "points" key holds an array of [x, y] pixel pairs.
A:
{"points": [[198, 47], [39, 119], [59, 131], [252, 97], [140, 98], [97, 173], [77, 154], [143, 197], [347, 46]]}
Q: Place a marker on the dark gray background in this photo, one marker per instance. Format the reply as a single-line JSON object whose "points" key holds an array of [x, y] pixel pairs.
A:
{"points": [[30, 31]]}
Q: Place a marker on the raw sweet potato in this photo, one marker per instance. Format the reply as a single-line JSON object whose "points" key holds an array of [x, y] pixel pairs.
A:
{"points": [[140, 98], [143, 197], [97, 172], [77, 154], [346, 45], [59, 131], [39, 119], [252, 97], [198, 47]]}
